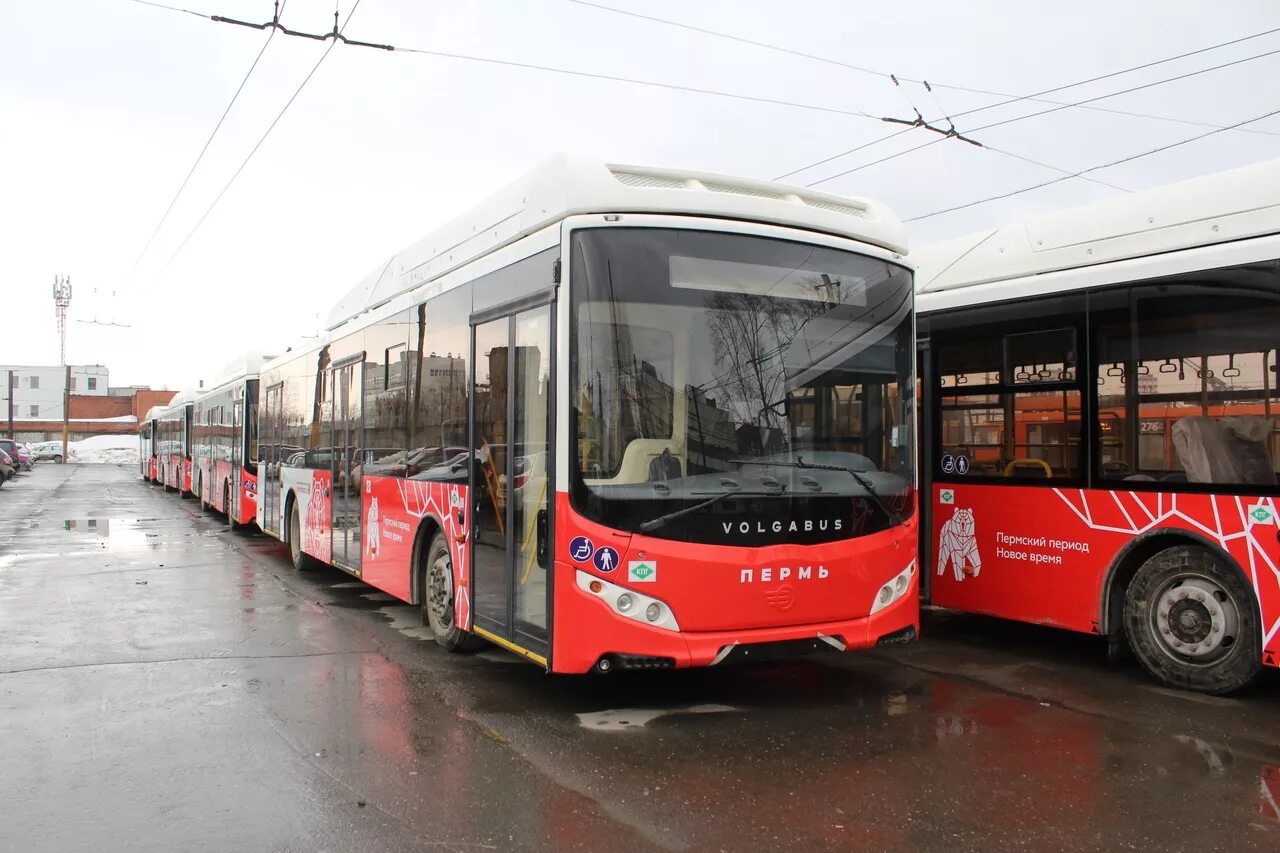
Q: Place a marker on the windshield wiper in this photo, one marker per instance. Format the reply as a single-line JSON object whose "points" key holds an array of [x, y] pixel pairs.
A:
{"points": [[729, 492], [876, 498]]}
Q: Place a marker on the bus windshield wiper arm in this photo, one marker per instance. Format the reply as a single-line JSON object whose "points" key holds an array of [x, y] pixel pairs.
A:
{"points": [[655, 523], [876, 498]]}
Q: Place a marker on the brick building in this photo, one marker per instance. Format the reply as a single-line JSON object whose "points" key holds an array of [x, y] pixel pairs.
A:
{"points": [[90, 414]]}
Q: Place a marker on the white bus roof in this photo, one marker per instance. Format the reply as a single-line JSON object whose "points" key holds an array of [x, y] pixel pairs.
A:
{"points": [[247, 365], [568, 185], [1214, 209]]}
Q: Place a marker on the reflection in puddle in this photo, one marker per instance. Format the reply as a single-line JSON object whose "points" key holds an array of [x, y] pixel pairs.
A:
{"points": [[630, 719], [122, 534], [1269, 795]]}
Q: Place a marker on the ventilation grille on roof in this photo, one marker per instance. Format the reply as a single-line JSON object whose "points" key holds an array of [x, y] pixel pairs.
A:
{"points": [[837, 208], [644, 181], [631, 179], [726, 188]]}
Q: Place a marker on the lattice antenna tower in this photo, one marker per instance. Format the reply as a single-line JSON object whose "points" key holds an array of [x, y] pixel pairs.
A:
{"points": [[62, 301]]}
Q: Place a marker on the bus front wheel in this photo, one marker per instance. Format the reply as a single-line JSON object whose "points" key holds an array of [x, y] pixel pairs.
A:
{"points": [[1192, 621], [302, 561], [437, 600]]}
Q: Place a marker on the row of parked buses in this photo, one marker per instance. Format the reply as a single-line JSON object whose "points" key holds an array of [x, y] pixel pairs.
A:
{"points": [[623, 417]]}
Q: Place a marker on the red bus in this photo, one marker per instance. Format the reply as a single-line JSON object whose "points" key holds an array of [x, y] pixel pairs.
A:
{"points": [[224, 442], [147, 445], [617, 417], [172, 443], [1100, 444]]}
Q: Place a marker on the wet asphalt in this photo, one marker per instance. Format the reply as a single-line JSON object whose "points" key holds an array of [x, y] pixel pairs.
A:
{"points": [[169, 684]]}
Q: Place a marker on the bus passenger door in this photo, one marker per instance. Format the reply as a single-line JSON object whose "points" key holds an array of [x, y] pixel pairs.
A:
{"points": [[511, 486], [271, 452], [348, 461]]}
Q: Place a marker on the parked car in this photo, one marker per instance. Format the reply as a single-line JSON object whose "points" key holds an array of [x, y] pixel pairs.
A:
{"points": [[46, 450], [18, 454], [6, 467]]}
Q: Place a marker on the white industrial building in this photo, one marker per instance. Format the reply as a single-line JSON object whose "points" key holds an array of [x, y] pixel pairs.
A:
{"points": [[37, 389]]}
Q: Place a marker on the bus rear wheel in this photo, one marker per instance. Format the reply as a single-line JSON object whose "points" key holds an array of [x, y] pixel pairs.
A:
{"points": [[302, 561], [1192, 621], [437, 600]]}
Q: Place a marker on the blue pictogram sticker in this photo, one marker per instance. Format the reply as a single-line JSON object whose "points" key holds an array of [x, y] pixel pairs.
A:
{"points": [[962, 464], [581, 549], [948, 463], [606, 559]]}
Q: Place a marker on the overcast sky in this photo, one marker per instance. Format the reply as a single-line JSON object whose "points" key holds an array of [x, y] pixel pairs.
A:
{"points": [[104, 105]]}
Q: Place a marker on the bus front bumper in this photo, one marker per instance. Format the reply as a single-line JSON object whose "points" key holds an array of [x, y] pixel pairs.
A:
{"points": [[592, 635]]}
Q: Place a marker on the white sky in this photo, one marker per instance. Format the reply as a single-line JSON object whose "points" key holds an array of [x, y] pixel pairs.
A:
{"points": [[104, 105]]}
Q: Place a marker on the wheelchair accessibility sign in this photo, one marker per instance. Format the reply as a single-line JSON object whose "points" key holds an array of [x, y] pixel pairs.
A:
{"points": [[581, 549]]}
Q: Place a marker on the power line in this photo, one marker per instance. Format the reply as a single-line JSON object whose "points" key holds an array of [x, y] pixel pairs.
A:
{"points": [[165, 217], [1036, 96], [614, 78], [1083, 172], [530, 66], [258, 145], [1216, 129], [171, 8], [1132, 89], [1055, 168]]}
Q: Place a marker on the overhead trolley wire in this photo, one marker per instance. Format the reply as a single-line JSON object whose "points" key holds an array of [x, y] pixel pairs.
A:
{"points": [[256, 146], [636, 81], [165, 216], [1035, 96], [1216, 129], [1083, 172], [170, 8]]}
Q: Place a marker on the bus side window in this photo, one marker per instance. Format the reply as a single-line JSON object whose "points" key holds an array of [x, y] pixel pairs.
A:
{"points": [[1191, 396], [1009, 388]]}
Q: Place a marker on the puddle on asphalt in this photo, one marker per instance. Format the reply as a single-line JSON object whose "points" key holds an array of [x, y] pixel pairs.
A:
{"points": [[119, 534], [407, 619], [632, 719]]}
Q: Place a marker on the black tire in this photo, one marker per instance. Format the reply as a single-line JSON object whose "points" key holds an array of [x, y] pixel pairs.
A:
{"points": [[437, 600], [302, 561], [58, 459], [1192, 621]]}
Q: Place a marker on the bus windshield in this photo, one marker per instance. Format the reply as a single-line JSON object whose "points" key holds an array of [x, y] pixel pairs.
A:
{"points": [[744, 390]]}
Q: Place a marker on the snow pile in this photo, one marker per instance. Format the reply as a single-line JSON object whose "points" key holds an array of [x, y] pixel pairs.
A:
{"points": [[105, 449]]}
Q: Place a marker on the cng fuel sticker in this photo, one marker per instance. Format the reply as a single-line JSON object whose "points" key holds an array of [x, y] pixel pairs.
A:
{"points": [[1261, 514], [642, 571], [947, 497]]}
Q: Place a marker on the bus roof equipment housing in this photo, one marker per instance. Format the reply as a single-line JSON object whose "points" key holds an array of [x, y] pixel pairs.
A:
{"points": [[1039, 255], [571, 184]]}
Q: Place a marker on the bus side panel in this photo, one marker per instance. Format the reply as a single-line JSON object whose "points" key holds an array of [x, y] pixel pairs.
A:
{"points": [[316, 515], [248, 503], [218, 487], [186, 476], [394, 508], [388, 505], [1039, 554]]}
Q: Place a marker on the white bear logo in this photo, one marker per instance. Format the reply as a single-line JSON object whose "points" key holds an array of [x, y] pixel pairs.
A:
{"points": [[957, 544], [372, 535]]}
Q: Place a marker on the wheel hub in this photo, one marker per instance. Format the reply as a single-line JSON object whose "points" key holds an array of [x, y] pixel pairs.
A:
{"points": [[439, 592], [1195, 619]]}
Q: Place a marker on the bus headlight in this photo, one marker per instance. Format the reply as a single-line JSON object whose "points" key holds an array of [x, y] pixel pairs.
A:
{"points": [[644, 609], [895, 589]]}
